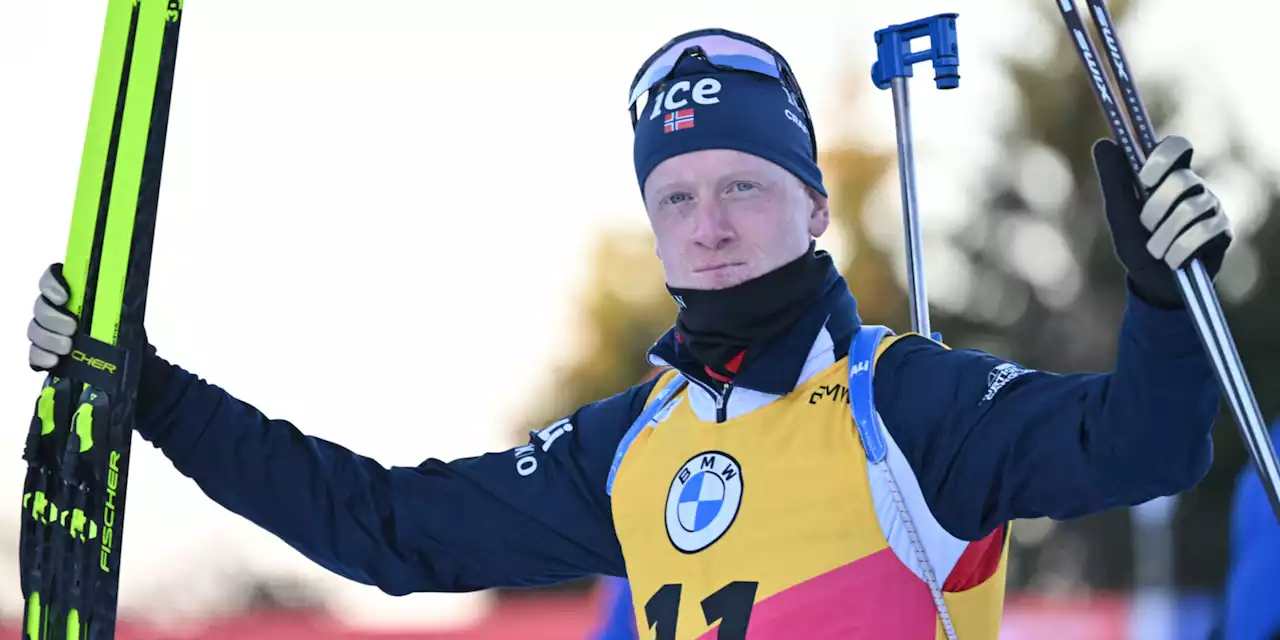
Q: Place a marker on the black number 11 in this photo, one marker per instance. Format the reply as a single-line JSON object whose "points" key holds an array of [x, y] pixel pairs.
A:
{"points": [[731, 605]]}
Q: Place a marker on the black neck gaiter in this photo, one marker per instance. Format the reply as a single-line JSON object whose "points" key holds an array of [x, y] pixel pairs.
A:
{"points": [[718, 325]]}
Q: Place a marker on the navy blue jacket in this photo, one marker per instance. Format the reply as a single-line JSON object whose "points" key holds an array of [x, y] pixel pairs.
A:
{"points": [[986, 451]]}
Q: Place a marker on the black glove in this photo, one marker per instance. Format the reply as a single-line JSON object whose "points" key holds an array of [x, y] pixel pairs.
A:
{"points": [[1161, 219]]}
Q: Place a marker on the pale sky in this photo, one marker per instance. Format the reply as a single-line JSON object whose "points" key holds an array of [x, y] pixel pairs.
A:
{"points": [[359, 198]]}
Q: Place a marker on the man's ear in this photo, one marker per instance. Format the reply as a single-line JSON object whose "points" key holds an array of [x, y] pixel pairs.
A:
{"points": [[819, 215]]}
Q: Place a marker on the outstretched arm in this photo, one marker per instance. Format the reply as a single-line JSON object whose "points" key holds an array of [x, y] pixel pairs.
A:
{"points": [[992, 441], [533, 515]]}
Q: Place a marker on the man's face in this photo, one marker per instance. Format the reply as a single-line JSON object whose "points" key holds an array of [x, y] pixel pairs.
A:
{"points": [[722, 217]]}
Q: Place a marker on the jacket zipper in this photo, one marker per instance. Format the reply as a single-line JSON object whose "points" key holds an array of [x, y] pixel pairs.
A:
{"points": [[722, 399]]}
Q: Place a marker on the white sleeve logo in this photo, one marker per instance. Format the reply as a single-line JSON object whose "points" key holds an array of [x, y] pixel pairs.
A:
{"points": [[555, 430], [1001, 375], [526, 464]]}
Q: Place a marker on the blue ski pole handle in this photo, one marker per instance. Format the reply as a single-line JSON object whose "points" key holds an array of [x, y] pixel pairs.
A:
{"points": [[895, 58]]}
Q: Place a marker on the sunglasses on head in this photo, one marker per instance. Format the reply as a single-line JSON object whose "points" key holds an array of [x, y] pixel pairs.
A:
{"points": [[724, 50]]}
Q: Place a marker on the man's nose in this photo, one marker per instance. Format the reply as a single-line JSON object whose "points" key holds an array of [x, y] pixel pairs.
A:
{"points": [[712, 228]]}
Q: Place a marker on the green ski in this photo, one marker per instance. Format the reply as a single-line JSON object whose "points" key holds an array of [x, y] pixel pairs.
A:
{"points": [[77, 449]]}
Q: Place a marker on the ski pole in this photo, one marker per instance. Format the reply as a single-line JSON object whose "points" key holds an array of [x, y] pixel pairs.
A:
{"points": [[1128, 122], [890, 71]]}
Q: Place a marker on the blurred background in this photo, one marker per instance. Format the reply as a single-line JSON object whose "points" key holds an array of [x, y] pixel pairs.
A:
{"points": [[458, 175]]}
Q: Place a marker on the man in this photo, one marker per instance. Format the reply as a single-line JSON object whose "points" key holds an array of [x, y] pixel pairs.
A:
{"points": [[1252, 606], [737, 492]]}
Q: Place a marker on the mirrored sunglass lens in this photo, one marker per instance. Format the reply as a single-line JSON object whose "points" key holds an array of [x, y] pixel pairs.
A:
{"points": [[721, 50]]}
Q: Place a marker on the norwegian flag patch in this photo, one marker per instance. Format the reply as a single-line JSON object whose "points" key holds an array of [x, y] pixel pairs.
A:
{"points": [[678, 121]]}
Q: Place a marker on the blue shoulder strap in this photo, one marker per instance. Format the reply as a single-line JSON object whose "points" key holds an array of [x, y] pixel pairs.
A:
{"points": [[664, 396], [862, 399], [862, 353]]}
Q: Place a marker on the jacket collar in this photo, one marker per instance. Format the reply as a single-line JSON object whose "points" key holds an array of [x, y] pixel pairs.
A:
{"points": [[775, 367]]}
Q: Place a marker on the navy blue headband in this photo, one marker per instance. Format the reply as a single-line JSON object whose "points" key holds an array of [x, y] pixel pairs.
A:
{"points": [[701, 107]]}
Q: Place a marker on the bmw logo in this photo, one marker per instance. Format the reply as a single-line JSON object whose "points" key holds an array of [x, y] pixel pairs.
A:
{"points": [[703, 500]]}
